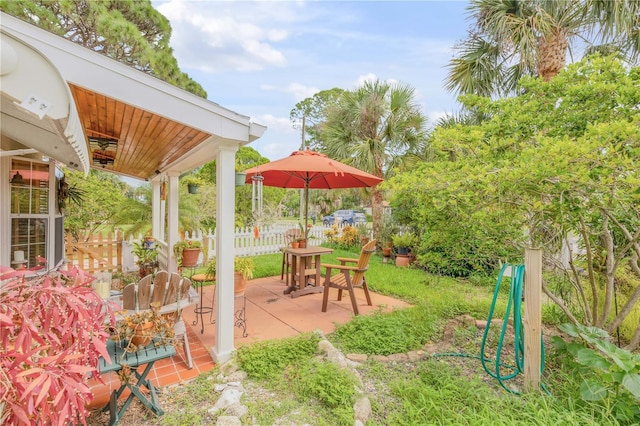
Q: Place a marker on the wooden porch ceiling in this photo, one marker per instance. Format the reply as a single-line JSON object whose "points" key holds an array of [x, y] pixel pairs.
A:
{"points": [[141, 142]]}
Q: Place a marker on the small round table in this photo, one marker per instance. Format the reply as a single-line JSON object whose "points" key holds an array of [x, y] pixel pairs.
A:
{"points": [[199, 280]]}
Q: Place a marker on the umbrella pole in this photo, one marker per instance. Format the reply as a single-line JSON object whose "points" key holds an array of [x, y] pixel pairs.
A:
{"points": [[306, 210]]}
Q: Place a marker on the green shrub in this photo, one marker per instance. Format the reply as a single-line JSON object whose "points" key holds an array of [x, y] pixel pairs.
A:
{"points": [[266, 360], [610, 374], [324, 381], [386, 333]]}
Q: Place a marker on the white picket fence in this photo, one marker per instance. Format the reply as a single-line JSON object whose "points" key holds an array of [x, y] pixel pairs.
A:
{"points": [[270, 240]]}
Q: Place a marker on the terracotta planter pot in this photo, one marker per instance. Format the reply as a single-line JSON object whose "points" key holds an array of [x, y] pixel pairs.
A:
{"points": [[190, 257], [295, 245], [386, 252], [240, 284], [302, 244], [102, 391], [143, 335], [402, 260]]}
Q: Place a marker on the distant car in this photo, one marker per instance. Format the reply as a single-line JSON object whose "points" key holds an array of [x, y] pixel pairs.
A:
{"points": [[344, 217]]}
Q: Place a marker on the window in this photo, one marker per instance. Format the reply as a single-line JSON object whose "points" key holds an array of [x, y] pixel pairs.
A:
{"points": [[29, 211]]}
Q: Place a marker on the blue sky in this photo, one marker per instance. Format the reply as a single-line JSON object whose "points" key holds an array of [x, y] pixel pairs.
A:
{"points": [[261, 58]]}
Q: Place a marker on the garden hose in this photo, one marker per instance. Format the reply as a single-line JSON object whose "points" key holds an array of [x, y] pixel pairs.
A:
{"points": [[515, 303]]}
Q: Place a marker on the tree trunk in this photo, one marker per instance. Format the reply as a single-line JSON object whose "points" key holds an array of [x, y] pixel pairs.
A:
{"points": [[377, 211], [625, 311], [552, 51], [610, 272], [635, 342]]}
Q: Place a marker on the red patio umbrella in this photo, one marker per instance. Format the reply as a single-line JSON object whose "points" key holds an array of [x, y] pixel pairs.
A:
{"points": [[311, 169]]}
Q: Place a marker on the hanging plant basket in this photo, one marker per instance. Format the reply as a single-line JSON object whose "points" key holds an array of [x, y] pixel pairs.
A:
{"points": [[240, 178], [193, 188]]}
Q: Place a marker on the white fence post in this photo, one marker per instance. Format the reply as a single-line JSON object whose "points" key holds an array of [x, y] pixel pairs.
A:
{"points": [[128, 261]]}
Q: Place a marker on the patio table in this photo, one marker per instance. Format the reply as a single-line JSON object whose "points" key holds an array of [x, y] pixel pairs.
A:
{"points": [[145, 357], [305, 265]]}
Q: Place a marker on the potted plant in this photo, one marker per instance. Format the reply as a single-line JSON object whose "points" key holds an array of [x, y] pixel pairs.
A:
{"points": [[403, 244], [52, 332], [187, 252], [364, 234], [388, 228], [302, 239], [193, 183], [210, 272], [137, 329], [147, 257], [243, 267], [302, 242]]}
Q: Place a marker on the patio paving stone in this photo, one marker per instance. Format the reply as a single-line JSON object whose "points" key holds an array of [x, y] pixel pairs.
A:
{"points": [[270, 315]]}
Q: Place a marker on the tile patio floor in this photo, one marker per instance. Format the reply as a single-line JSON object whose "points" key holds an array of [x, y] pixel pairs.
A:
{"points": [[270, 314]]}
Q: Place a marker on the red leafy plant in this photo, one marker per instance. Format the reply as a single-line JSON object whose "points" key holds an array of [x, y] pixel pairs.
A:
{"points": [[53, 330]]}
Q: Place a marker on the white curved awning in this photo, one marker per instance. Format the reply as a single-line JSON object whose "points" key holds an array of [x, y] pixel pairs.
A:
{"points": [[38, 110]]}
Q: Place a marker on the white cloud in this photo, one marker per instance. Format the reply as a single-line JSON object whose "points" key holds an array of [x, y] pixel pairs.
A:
{"points": [[279, 124], [362, 79], [260, 58], [299, 91], [220, 36], [434, 116]]}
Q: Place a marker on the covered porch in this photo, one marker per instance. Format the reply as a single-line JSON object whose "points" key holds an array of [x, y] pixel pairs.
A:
{"points": [[66, 105]]}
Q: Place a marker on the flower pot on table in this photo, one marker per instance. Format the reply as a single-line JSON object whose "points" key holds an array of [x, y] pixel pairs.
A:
{"points": [[143, 334]]}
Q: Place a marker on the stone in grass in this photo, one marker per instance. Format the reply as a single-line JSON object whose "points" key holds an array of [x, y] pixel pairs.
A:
{"points": [[237, 410], [228, 421], [359, 358], [362, 409], [229, 397]]}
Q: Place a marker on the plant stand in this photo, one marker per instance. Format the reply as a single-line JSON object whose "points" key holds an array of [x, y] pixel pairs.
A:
{"points": [[199, 280], [240, 315]]}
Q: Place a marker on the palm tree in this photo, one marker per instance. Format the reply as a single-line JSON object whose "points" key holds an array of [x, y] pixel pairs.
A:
{"points": [[513, 38], [372, 128]]}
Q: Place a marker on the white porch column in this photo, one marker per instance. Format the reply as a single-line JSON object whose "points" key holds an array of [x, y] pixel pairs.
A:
{"points": [[156, 218], [162, 234], [225, 214], [172, 220]]}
